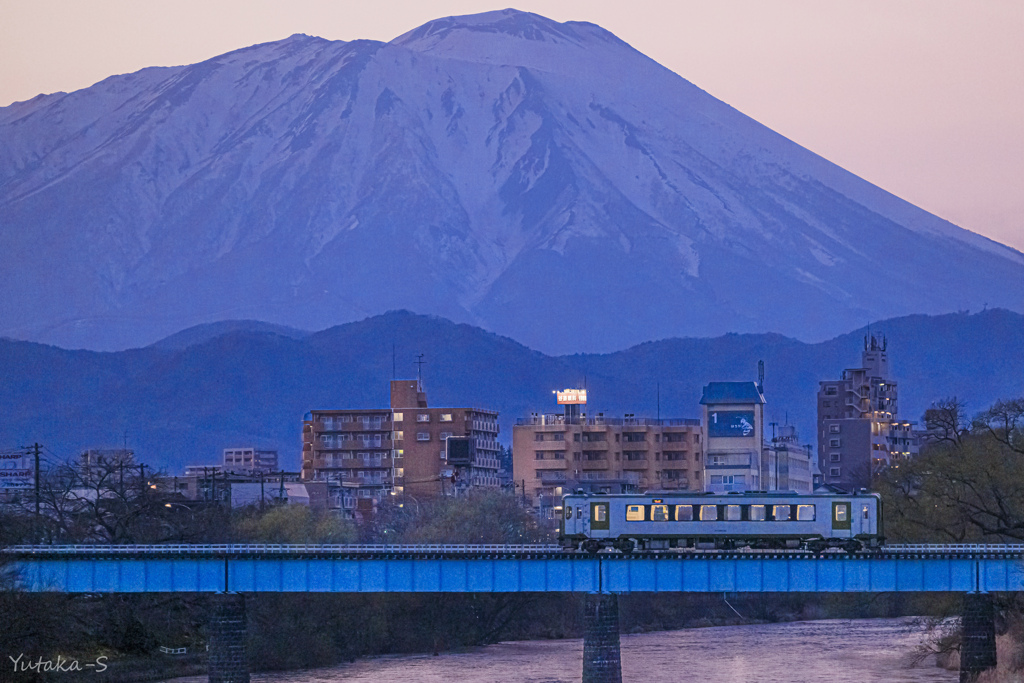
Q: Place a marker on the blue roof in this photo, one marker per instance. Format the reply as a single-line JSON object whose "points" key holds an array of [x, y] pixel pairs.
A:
{"points": [[732, 392]]}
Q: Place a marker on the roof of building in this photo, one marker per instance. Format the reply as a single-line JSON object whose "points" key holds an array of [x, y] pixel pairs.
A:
{"points": [[731, 392]]}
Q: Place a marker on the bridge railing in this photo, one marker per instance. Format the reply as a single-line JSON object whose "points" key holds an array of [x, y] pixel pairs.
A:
{"points": [[276, 548]]}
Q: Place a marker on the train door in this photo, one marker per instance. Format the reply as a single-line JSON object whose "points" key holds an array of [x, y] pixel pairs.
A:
{"points": [[598, 519], [841, 517]]}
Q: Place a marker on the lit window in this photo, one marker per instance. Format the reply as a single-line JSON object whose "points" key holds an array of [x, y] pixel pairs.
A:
{"points": [[842, 513], [568, 512], [733, 513], [399, 436], [423, 417], [659, 513], [684, 513], [757, 513], [867, 512], [805, 513], [446, 417], [634, 513], [780, 513], [600, 513], [398, 417], [708, 513]]}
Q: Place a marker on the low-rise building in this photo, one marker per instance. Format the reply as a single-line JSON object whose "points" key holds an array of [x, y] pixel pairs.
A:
{"points": [[553, 454], [249, 459]]}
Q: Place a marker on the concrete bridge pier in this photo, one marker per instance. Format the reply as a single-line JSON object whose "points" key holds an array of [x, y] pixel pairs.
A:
{"points": [[601, 662], [228, 662], [978, 644]]}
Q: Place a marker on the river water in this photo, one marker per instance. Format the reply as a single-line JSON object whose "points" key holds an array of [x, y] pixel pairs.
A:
{"points": [[832, 651]]}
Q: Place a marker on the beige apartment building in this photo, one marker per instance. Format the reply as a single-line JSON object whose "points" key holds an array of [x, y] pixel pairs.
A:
{"points": [[553, 454], [400, 449]]}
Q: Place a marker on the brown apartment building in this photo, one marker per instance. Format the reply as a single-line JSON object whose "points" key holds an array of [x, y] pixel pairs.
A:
{"points": [[554, 454], [400, 449], [859, 430]]}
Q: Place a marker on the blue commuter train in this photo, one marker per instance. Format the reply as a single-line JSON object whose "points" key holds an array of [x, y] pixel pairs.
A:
{"points": [[678, 519]]}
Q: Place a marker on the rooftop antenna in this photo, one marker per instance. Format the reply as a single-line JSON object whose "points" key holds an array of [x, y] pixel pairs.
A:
{"points": [[419, 371], [760, 376]]}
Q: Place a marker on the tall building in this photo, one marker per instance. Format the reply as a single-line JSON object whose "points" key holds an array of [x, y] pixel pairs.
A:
{"points": [[733, 415], [249, 460], [554, 453], [859, 430], [401, 449]]}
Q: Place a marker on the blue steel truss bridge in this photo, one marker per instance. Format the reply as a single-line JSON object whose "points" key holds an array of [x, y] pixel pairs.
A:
{"points": [[232, 571]]}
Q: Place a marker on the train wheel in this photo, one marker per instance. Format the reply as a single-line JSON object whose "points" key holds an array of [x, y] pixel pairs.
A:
{"points": [[817, 547], [852, 546], [626, 545], [591, 546]]}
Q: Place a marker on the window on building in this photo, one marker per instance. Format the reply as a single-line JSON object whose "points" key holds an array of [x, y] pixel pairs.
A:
{"points": [[833, 472], [833, 429], [445, 435], [831, 390], [576, 437], [538, 455], [559, 436], [559, 455], [834, 443], [446, 417], [833, 457], [398, 417], [538, 437], [423, 436], [423, 417]]}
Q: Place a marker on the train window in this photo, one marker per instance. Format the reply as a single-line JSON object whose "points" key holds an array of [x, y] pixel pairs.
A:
{"points": [[708, 513], [600, 512], [867, 512], [659, 513], [805, 513], [684, 513], [780, 513], [634, 513], [733, 513], [841, 512], [579, 512], [757, 513], [568, 511], [841, 515]]}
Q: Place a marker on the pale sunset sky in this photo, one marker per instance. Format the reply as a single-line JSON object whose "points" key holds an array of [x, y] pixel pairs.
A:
{"points": [[924, 98]]}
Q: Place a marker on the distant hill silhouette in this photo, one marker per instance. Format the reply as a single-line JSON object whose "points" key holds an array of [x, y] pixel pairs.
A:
{"points": [[182, 403]]}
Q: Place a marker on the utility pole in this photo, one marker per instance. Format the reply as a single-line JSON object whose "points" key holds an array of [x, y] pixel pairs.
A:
{"points": [[35, 448]]}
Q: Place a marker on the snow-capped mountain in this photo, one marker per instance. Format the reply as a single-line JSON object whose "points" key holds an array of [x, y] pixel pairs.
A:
{"points": [[542, 180]]}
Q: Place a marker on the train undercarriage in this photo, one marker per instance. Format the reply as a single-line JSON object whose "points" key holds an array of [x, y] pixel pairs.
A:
{"points": [[628, 545]]}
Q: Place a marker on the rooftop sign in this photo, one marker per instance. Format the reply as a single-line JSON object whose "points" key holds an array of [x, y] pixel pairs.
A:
{"points": [[572, 397]]}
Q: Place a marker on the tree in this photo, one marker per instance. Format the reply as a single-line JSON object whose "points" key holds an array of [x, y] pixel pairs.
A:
{"points": [[967, 485]]}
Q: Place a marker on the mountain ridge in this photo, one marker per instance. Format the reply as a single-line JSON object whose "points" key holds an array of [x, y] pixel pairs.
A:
{"points": [[183, 406]]}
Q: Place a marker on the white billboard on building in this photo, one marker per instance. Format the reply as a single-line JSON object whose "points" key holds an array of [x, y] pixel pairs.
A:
{"points": [[16, 471], [572, 397]]}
